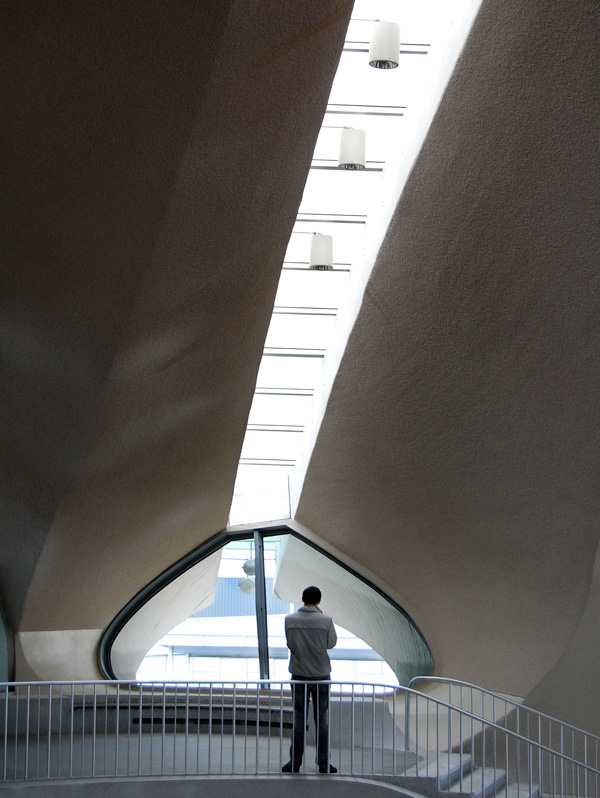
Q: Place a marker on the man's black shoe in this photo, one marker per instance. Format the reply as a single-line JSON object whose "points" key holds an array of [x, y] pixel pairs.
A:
{"points": [[323, 769], [288, 768]]}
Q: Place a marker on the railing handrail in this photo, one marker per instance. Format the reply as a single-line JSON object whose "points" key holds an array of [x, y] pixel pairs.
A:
{"points": [[406, 690], [497, 727], [501, 697], [103, 728], [178, 682]]}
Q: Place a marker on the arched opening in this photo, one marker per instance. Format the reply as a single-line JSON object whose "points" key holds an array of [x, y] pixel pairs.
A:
{"points": [[219, 616]]}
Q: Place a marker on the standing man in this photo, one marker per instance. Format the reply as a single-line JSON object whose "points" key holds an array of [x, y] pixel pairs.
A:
{"points": [[309, 634]]}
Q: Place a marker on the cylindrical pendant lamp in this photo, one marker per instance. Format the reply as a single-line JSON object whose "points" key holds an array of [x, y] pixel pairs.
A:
{"points": [[384, 52], [321, 252], [352, 149]]}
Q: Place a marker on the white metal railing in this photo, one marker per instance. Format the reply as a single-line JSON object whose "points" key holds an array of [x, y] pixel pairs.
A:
{"points": [[51, 730], [511, 714]]}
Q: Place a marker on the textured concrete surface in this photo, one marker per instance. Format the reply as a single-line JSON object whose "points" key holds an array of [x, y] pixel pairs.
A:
{"points": [[156, 161], [150, 184], [459, 454]]}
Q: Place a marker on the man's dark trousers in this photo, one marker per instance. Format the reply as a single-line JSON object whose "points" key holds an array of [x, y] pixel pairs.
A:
{"points": [[302, 693]]}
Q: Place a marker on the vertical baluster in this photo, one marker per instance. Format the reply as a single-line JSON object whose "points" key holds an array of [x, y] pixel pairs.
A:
{"points": [[437, 734], [394, 694], [71, 730], [49, 743], [38, 730], [530, 767], [352, 730], [416, 738], [407, 697], [562, 762], [518, 747], [372, 729], [27, 717], [128, 725], [233, 718], [117, 727], [269, 716], [5, 752], [246, 704], [186, 734], [384, 710], [222, 725], [210, 722], [93, 730], [304, 687], [449, 747], [175, 712], [506, 744], [198, 732], [281, 717], [140, 689], [427, 744], [163, 725], [106, 710], [150, 702], [82, 731], [341, 730]]}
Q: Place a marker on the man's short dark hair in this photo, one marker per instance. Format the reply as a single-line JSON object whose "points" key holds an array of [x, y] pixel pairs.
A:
{"points": [[311, 595]]}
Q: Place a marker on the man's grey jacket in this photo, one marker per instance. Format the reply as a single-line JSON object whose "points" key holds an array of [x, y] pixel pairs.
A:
{"points": [[309, 634]]}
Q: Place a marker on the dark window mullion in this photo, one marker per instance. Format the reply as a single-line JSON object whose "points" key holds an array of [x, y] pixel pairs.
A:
{"points": [[260, 595]]}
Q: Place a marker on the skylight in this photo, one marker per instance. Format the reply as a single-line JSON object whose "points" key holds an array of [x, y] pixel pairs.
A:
{"points": [[315, 310]]}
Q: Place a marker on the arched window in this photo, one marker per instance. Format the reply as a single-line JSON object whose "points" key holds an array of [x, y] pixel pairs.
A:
{"points": [[218, 615]]}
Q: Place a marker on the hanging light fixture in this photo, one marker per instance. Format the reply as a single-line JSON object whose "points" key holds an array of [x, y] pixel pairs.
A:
{"points": [[249, 567], [246, 584], [384, 52], [321, 252], [352, 149]]}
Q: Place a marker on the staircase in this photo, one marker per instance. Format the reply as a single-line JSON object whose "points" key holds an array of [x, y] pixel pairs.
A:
{"points": [[455, 774]]}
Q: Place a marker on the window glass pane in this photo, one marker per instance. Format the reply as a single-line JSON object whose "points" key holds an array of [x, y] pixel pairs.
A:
{"points": [[300, 330], [259, 486], [272, 444], [339, 191], [289, 372], [279, 409], [219, 642], [312, 288]]}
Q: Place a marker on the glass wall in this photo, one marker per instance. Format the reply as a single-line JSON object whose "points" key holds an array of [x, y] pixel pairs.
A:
{"points": [[222, 641]]}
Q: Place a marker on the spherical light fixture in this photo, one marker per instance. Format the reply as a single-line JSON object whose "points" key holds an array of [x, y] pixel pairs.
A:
{"points": [[249, 567], [246, 585], [321, 252], [352, 149], [384, 52]]}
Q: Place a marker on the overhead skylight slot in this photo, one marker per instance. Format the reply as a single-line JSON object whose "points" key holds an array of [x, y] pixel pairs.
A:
{"points": [[350, 208]]}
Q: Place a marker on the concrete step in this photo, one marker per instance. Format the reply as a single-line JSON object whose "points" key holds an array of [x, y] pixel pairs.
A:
{"points": [[521, 791], [480, 783], [447, 769]]}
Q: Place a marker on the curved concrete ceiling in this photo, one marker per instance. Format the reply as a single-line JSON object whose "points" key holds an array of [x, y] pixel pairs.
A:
{"points": [[461, 436], [155, 158]]}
